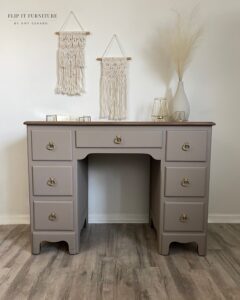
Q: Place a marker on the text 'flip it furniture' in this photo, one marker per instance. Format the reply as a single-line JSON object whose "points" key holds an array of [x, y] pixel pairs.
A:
{"points": [[179, 183]]}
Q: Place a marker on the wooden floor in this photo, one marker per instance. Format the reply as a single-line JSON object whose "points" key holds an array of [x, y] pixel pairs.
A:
{"points": [[120, 262]]}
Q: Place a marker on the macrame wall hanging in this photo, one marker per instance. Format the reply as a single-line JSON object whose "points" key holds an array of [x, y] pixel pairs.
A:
{"points": [[71, 60], [113, 84]]}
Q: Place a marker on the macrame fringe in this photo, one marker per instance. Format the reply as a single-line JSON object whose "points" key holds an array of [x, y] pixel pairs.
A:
{"points": [[113, 88], [71, 64]]}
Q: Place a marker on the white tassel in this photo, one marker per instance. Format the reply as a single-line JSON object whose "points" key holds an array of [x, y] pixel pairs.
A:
{"points": [[71, 64], [113, 88]]}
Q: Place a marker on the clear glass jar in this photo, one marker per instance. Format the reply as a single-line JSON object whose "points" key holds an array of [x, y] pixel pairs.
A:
{"points": [[160, 111]]}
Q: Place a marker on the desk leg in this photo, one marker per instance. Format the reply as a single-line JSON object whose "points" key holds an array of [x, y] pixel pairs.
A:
{"points": [[85, 223], [164, 245], [82, 196], [73, 246], [68, 237], [155, 197], [36, 243]]}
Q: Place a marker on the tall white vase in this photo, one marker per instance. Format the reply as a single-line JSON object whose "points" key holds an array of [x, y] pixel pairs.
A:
{"points": [[180, 104]]}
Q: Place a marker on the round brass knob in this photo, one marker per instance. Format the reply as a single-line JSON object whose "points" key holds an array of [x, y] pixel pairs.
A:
{"points": [[183, 218], [52, 216], [185, 182], [117, 140], [50, 146], [51, 181], [186, 147]]}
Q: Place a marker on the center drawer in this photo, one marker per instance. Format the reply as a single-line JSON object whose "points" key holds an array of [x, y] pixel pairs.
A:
{"points": [[52, 181], [111, 137]]}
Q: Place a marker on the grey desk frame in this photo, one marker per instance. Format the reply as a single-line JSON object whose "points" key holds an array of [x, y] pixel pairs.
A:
{"points": [[158, 199]]}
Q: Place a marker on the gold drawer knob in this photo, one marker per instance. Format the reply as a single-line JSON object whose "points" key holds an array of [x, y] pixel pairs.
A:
{"points": [[183, 218], [51, 181], [117, 140], [52, 216], [50, 146], [186, 147], [185, 182]]}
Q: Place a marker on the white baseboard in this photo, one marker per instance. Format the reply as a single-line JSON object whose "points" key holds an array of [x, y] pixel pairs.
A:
{"points": [[127, 218], [224, 218], [14, 219], [119, 218]]}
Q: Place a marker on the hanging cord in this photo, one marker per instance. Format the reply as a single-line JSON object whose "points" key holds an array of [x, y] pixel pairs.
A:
{"points": [[67, 19], [110, 45]]}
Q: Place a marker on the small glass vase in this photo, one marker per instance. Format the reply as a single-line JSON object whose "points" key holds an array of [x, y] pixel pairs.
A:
{"points": [[160, 110], [180, 104]]}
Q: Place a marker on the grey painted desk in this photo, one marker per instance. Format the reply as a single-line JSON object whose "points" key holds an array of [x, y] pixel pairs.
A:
{"points": [[179, 185]]}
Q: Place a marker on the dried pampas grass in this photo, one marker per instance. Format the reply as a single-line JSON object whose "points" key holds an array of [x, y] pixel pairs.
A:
{"points": [[184, 38]]}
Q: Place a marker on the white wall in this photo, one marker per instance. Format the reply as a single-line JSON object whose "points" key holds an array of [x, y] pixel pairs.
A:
{"points": [[27, 81]]}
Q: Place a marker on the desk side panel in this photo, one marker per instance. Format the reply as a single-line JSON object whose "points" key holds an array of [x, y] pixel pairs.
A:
{"points": [[187, 235], [49, 234]]}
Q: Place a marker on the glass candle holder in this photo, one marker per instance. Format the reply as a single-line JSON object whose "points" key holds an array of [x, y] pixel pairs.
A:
{"points": [[179, 116], [160, 111], [51, 118], [85, 119]]}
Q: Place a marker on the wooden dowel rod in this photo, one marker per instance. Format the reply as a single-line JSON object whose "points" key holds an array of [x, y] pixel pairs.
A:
{"points": [[100, 58], [85, 32]]}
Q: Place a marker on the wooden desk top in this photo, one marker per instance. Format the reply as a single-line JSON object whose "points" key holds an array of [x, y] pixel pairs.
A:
{"points": [[116, 123]]}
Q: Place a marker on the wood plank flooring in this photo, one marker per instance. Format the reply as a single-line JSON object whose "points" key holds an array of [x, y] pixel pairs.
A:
{"points": [[120, 261]]}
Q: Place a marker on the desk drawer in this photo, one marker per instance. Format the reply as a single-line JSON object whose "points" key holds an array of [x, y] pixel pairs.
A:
{"points": [[184, 217], [52, 181], [186, 145], [53, 216], [185, 182], [111, 137], [51, 145]]}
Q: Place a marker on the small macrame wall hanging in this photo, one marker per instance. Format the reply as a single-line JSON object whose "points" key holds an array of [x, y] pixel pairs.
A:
{"points": [[71, 60], [113, 84]]}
